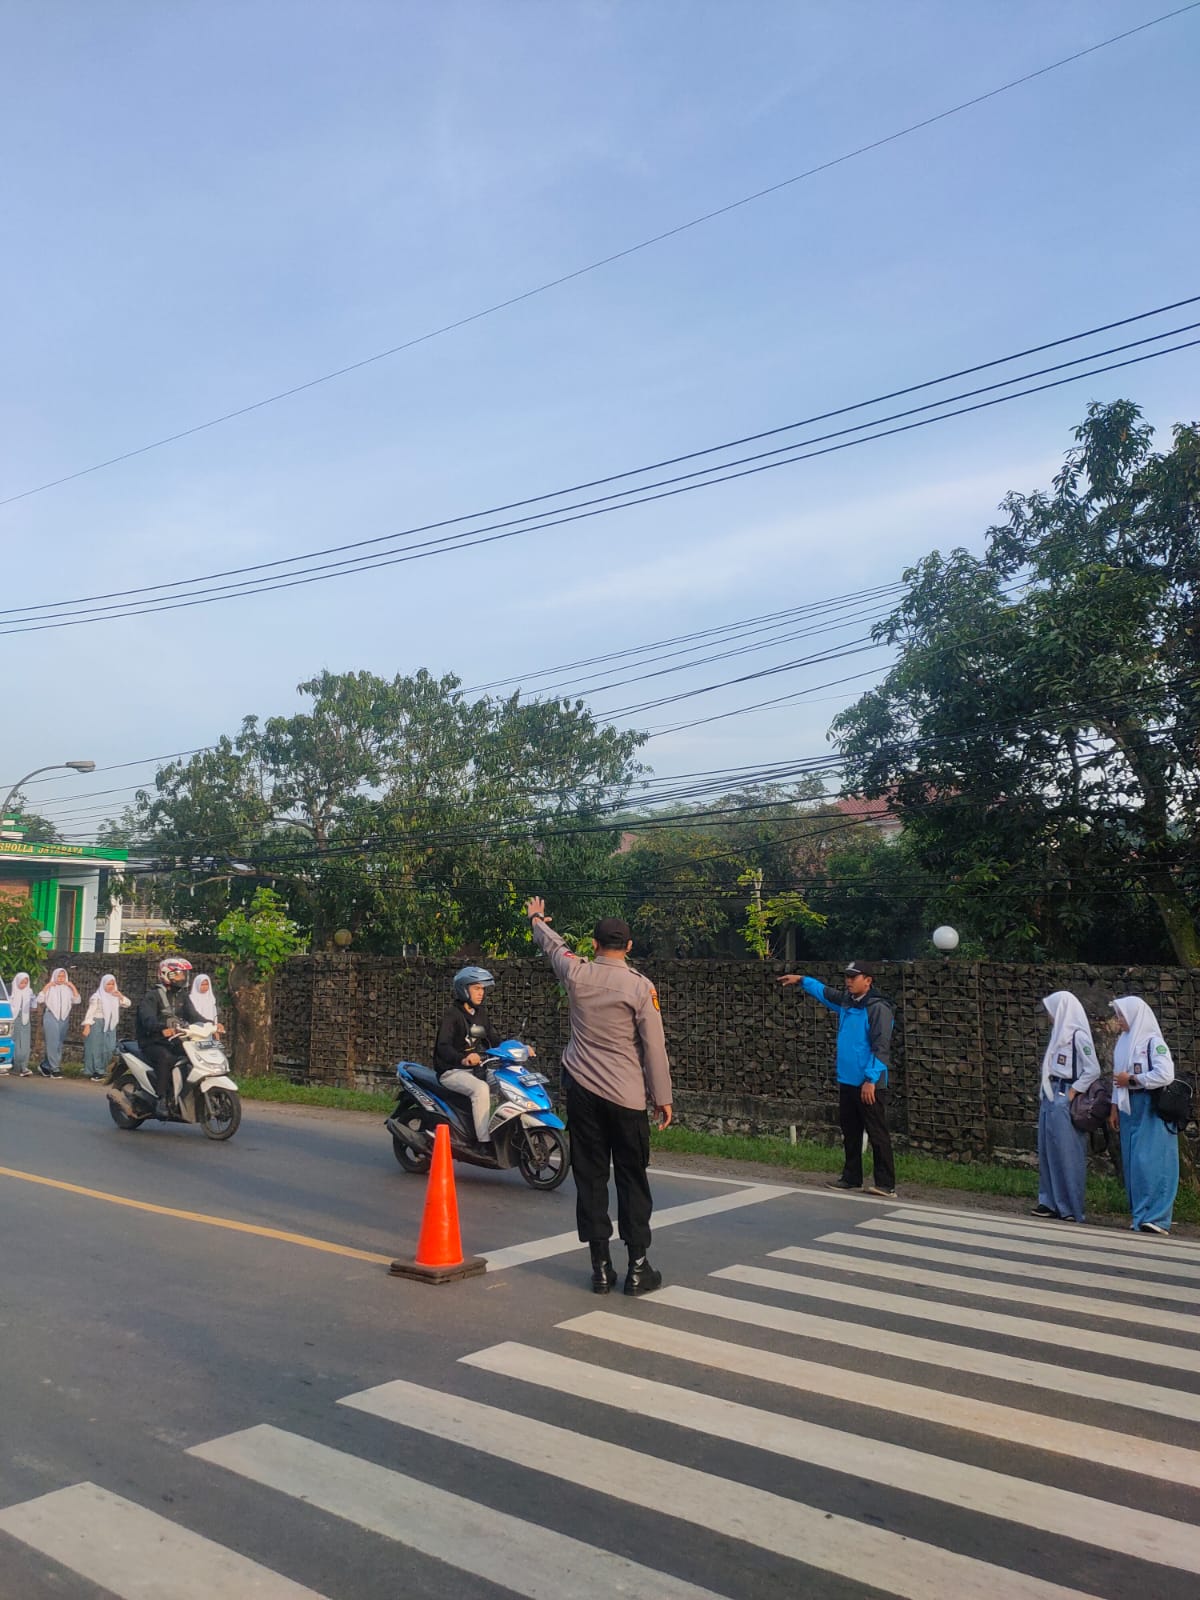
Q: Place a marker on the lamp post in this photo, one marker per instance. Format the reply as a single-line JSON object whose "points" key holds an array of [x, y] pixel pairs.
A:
{"points": [[56, 766]]}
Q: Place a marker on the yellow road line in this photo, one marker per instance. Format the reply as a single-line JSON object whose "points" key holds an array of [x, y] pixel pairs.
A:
{"points": [[198, 1216]]}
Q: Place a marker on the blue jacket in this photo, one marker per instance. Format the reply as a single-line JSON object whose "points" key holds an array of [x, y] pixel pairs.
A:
{"points": [[864, 1038]]}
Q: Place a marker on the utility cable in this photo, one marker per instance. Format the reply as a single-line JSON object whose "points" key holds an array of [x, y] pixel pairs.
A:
{"points": [[604, 261]]}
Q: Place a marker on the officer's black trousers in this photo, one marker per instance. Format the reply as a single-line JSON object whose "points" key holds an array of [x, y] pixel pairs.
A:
{"points": [[858, 1118], [604, 1134]]}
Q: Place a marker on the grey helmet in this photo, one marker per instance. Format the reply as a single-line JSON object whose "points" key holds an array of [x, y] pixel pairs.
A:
{"points": [[466, 976]]}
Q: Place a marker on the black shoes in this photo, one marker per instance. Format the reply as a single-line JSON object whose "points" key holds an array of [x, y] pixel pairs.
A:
{"points": [[1044, 1211], [842, 1183], [641, 1278], [604, 1274]]}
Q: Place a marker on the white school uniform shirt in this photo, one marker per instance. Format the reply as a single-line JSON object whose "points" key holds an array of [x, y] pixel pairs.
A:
{"points": [[1071, 1047], [1141, 1050], [24, 1001], [103, 1007], [58, 998]]}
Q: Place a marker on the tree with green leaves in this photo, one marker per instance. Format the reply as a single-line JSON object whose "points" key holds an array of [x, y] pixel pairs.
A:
{"points": [[1038, 732], [34, 829], [21, 947], [257, 940], [397, 808]]}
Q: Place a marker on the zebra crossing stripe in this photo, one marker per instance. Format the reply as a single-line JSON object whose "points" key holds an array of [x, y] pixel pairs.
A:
{"points": [[1034, 1271], [135, 1553], [520, 1556], [988, 1248], [982, 1288], [1067, 1236], [1140, 1534], [558, 1244], [1161, 1400], [1060, 1335], [821, 1540], [1078, 1440]]}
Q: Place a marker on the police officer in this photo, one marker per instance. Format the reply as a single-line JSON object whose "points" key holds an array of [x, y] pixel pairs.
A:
{"points": [[615, 1060]]}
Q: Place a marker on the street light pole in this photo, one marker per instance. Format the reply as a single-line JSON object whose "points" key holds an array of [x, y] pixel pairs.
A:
{"points": [[56, 766]]}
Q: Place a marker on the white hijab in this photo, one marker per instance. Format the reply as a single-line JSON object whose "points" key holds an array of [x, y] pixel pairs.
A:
{"points": [[109, 1004], [205, 1002], [1135, 1050], [23, 999], [59, 998], [1070, 1022]]}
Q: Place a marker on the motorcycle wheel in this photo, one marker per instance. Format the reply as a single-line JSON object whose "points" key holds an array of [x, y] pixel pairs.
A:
{"points": [[220, 1113], [125, 1082], [411, 1160], [544, 1157]]}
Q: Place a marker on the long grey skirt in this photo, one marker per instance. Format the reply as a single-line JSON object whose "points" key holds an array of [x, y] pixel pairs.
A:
{"points": [[22, 1042], [1062, 1157], [98, 1050]]}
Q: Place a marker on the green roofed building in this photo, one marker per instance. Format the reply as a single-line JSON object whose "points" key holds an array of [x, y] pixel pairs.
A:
{"points": [[61, 883]]}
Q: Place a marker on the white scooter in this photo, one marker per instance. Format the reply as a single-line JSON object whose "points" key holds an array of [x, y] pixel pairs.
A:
{"points": [[207, 1094]]}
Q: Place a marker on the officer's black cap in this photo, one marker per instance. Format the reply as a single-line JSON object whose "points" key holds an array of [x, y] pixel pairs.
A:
{"points": [[612, 933], [861, 969]]}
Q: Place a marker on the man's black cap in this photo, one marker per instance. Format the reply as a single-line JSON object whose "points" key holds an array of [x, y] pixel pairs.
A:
{"points": [[861, 969], [612, 933]]}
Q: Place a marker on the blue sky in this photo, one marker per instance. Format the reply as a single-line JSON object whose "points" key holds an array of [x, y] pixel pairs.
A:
{"points": [[205, 203]]}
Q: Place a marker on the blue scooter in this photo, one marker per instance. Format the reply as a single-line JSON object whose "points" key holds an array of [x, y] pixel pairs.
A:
{"points": [[524, 1131]]}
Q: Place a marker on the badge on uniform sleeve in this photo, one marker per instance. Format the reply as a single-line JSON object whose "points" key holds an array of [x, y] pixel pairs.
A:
{"points": [[654, 997], [1160, 1050], [1087, 1049]]}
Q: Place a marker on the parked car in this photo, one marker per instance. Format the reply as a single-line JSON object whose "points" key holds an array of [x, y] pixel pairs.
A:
{"points": [[6, 1030]]}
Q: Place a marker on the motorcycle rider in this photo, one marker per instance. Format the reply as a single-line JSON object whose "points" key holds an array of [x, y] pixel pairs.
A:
{"points": [[466, 1027], [162, 1013]]}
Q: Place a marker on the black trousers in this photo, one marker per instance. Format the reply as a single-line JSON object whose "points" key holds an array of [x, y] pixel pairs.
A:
{"points": [[604, 1134], [857, 1118], [162, 1055]]}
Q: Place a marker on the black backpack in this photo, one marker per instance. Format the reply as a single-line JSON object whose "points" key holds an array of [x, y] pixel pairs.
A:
{"points": [[1174, 1102]]}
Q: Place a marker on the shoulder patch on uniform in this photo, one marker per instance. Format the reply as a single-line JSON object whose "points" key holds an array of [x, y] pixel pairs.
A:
{"points": [[1087, 1049], [1160, 1050], [654, 998]]}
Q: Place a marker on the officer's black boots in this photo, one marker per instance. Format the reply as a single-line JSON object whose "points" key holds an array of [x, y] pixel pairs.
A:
{"points": [[641, 1278], [604, 1274]]}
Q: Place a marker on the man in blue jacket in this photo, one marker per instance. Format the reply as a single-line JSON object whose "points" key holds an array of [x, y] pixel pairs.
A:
{"points": [[864, 1041]]}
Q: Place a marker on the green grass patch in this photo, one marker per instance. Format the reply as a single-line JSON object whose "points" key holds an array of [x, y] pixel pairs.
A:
{"points": [[283, 1092], [1105, 1195]]}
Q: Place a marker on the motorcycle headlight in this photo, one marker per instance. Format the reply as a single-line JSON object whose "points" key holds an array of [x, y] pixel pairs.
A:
{"points": [[521, 1101]]}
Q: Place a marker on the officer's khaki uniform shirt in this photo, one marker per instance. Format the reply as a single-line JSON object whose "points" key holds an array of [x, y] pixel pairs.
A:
{"points": [[617, 1048]]}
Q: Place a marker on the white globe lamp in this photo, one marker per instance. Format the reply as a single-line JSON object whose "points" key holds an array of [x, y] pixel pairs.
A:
{"points": [[945, 939]]}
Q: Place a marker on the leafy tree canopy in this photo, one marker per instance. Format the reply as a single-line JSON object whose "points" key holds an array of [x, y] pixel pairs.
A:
{"points": [[395, 808], [1038, 733]]}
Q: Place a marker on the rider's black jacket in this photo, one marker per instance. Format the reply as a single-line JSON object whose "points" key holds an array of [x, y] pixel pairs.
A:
{"points": [[462, 1033], [161, 1008]]}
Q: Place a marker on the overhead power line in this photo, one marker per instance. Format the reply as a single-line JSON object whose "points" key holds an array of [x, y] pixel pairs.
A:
{"points": [[188, 587], [604, 261], [666, 489]]}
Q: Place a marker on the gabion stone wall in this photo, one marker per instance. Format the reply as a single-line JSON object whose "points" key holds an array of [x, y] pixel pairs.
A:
{"points": [[747, 1056]]}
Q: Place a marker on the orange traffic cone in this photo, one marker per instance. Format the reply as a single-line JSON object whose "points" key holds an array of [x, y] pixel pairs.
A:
{"points": [[439, 1250]]}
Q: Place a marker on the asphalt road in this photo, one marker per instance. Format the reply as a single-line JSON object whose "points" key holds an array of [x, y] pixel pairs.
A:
{"points": [[910, 1401]]}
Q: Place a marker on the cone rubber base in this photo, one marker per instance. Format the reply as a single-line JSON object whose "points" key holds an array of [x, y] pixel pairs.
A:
{"points": [[470, 1267]]}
